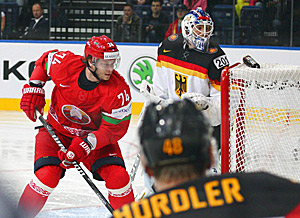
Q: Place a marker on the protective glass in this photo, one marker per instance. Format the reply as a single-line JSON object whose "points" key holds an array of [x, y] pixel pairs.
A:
{"points": [[107, 63]]}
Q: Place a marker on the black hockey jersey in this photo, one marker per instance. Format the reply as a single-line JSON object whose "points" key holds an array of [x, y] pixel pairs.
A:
{"points": [[246, 195]]}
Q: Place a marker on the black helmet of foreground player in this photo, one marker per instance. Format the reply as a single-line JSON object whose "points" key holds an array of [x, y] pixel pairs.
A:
{"points": [[197, 28], [176, 134]]}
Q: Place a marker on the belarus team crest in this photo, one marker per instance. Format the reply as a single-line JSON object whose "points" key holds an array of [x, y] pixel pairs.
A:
{"points": [[180, 84], [76, 115]]}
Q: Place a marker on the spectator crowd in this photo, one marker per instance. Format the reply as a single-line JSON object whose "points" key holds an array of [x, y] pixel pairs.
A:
{"points": [[152, 21]]}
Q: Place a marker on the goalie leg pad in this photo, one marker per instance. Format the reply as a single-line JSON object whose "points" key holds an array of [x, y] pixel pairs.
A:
{"points": [[38, 190], [118, 183], [149, 187]]}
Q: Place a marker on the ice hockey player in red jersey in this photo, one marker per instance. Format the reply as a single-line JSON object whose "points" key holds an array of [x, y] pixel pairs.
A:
{"points": [[90, 111], [177, 150]]}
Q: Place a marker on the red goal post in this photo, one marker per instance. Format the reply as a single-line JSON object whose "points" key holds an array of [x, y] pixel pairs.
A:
{"points": [[260, 119]]}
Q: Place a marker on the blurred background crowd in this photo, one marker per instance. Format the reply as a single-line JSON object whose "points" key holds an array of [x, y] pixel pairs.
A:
{"points": [[237, 22]]}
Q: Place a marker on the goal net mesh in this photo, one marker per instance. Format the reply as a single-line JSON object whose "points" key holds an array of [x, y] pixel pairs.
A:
{"points": [[264, 120]]}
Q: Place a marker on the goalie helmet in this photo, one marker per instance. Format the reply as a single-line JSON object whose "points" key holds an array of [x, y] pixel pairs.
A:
{"points": [[101, 48], [175, 134], [197, 27]]}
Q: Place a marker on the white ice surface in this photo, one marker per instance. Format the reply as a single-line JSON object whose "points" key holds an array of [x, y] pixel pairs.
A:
{"points": [[73, 197]]}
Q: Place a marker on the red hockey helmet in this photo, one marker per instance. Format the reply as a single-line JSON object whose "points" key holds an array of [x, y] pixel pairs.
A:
{"points": [[101, 47]]}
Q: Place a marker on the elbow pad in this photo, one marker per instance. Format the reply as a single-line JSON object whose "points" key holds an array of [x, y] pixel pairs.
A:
{"points": [[38, 77]]}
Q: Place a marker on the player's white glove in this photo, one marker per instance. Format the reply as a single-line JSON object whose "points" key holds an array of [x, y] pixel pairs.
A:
{"points": [[146, 90], [211, 107]]}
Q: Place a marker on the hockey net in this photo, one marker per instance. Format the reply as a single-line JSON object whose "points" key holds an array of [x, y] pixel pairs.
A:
{"points": [[261, 120]]}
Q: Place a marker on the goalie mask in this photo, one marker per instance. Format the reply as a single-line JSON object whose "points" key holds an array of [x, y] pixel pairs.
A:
{"points": [[175, 134], [102, 48], [197, 27]]}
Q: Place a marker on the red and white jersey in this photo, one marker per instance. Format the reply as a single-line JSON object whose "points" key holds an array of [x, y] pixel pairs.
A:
{"points": [[104, 110]]}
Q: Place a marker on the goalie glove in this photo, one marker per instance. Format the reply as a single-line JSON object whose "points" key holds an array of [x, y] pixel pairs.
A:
{"points": [[146, 90], [211, 107], [200, 100]]}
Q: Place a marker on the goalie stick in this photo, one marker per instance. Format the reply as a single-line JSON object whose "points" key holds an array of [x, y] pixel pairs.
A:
{"points": [[135, 166], [250, 62], [138, 159], [138, 156], [75, 163], [147, 90]]}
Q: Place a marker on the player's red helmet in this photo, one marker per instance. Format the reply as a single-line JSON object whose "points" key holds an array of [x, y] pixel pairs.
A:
{"points": [[101, 47]]}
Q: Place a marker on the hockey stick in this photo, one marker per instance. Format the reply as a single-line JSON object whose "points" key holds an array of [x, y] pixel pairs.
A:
{"points": [[135, 166], [75, 163], [138, 157]]}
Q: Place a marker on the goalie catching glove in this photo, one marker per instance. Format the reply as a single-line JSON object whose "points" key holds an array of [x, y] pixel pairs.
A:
{"points": [[78, 151], [211, 107], [33, 97], [146, 90]]}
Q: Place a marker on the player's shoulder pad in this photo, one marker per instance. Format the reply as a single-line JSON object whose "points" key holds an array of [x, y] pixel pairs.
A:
{"points": [[64, 54], [120, 92], [62, 65], [214, 48], [170, 44], [118, 81], [173, 37], [42, 60], [64, 59], [219, 57]]}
